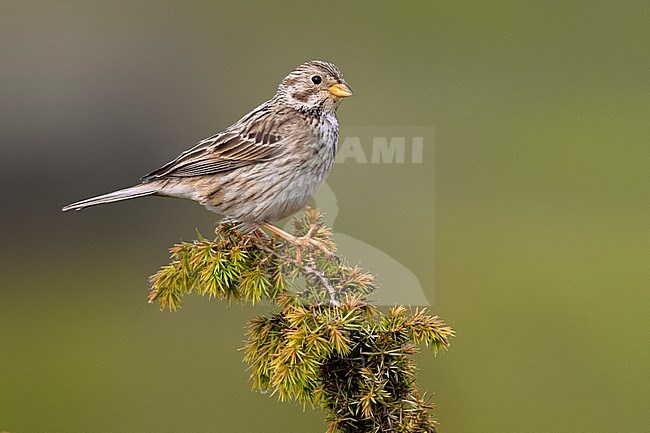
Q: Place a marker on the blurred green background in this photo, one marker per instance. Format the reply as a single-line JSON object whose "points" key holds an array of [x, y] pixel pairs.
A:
{"points": [[528, 221]]}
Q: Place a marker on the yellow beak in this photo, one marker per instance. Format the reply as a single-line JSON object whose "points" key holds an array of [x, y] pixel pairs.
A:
{"points": [[340, 90]]}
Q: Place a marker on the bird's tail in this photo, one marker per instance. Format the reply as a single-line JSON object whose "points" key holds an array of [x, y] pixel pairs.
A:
{"points": [[119, 195]]}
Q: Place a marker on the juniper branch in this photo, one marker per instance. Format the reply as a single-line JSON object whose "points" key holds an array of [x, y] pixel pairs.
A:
{"points": [[328, 346], [308, 269]]}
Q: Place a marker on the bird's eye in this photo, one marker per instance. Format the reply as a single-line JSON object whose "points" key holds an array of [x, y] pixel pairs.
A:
{"points": [[316, 79]]}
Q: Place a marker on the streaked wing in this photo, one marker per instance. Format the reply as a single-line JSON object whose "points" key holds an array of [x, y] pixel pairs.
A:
{"points": [[251, 140]]}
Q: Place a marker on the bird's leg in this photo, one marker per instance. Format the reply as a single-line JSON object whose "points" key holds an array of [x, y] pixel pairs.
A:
{"points": [[302, 241], [261, 234], [246, 231], [256, 235]]}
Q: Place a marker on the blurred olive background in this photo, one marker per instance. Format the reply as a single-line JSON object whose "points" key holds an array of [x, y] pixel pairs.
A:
{"points": [[528, 220]]}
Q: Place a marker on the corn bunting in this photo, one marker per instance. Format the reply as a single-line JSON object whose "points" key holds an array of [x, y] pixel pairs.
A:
{"points": [[264, 167]]}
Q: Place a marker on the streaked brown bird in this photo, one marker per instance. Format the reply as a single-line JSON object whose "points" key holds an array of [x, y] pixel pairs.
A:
{"points": [[265, 166]]}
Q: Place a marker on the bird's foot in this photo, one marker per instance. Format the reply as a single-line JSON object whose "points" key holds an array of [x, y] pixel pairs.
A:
{"points": [[300, 242]]}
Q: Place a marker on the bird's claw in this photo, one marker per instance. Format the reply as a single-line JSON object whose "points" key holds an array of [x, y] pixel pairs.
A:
{"points": [[301, 242]]}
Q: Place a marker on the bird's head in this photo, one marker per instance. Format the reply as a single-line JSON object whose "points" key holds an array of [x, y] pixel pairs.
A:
{"points": [[314, 86]]}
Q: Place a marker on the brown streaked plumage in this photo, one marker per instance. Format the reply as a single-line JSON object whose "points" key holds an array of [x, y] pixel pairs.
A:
{"points": [[265, 166]]}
